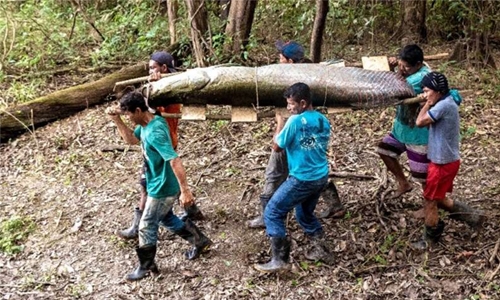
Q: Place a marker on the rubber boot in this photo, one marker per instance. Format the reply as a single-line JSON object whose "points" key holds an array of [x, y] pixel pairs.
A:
{"points": [[201, 243], [318, 250], [430, 237], [258, 222], [133, 231], [146, 263], [192, 212], [280, 248], [464, 213], [334, 208]]}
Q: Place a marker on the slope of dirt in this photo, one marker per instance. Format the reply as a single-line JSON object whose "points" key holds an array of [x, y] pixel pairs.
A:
{"points": [[78, 196]]}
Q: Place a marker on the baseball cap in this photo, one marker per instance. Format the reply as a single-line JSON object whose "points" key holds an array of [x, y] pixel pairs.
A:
{"points": [[164, 58], [291, 50]]}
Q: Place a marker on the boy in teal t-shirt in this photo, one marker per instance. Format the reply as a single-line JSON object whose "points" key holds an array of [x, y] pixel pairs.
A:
{"points": [[305, 138], [405, 136]]}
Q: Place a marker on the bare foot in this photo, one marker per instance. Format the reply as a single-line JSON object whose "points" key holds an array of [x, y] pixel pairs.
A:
{"points": [[403, 189], [418, 214]]}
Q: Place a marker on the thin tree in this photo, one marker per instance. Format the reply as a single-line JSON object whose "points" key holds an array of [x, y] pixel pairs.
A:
{"points": [[239, 25], [172, 8], [479, 26], [318, 29], [198, 20]]}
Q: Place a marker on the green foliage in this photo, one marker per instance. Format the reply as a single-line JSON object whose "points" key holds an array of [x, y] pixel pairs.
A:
{"points": [[388, 242], [218, 125], [13, 232], [467, 131]]}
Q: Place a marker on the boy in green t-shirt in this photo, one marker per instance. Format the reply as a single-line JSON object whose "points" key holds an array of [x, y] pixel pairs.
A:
{"points": [[405, 136], [166, 183]]}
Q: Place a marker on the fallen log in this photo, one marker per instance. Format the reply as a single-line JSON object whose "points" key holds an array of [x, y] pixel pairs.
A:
{"points": [[62, 104], [264, 86]]}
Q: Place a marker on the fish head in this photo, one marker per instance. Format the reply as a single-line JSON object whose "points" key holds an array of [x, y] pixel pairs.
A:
{"points": [[177, 84]]}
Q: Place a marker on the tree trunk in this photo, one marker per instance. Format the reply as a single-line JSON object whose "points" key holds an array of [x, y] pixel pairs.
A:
{"points": [[239, 24], [198, 17], [413, 14], [318, 29], [61, 104], [172, 7]]}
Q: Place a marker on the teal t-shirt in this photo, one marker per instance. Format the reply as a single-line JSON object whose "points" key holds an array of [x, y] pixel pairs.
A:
{"points": [[305, 138], [402, 132], [158, 152]]}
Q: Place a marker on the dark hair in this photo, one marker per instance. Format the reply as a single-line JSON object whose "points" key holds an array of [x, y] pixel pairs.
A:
{"points": [[133, 100], [412, 54], [298, 91]]}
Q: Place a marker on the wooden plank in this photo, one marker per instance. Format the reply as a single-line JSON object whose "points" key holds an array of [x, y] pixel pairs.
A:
{"points": [[243, 114], [194, 112], [375, 63]]}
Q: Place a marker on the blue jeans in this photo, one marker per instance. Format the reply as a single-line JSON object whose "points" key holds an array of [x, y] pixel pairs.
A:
{"points": [[301, 195], [158, 212]]}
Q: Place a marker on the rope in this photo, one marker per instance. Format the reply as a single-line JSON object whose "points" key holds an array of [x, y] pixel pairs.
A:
{"points": [[256, 87], [146, 98], [326, 94]]}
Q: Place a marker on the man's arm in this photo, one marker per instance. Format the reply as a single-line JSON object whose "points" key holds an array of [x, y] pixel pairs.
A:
{"points": [[186, 197], [280, 123], [125, 132], [423, 118]]}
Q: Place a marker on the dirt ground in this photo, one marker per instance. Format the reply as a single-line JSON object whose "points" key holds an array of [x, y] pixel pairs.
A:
{"points": [[78, 194]]}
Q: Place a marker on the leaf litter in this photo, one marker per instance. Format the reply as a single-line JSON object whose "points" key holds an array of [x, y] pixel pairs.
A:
{"points": [[79, 194]]}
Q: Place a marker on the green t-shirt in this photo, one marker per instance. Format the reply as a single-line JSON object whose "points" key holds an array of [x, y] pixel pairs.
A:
{"points": [[158, 152], [404, 133]]}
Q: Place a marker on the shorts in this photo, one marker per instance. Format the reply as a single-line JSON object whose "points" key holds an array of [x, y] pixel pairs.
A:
{"points": [[440, 180], [417, 155]]}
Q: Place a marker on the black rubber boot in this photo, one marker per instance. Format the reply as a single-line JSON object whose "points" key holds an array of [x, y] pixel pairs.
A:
{"points": [[430, 237], [464, 213], [146, 263], [318, 250], [258, 222], [193, 213], [133, 231], [201, 243], [281, 256], [334, 208]]}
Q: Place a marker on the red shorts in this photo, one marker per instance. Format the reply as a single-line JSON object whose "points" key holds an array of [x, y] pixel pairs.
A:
{"points": [[440, 180]]}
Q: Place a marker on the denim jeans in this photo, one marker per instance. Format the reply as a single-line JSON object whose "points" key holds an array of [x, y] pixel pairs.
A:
{"points": [[276, 173], [158, 212], [301, 195]]}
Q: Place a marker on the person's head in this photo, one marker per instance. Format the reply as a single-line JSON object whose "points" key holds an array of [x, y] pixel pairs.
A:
{"points": [[411, 59], [290, 52], [161, 62], [298, 98], [134, 106], [435, 86]]}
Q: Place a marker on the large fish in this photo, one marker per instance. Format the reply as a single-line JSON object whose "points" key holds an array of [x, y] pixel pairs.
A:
{"points": [[264, 86]]}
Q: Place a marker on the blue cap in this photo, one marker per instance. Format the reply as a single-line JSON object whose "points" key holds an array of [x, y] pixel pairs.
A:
{"points": [[164, 58], [291, 50]]}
